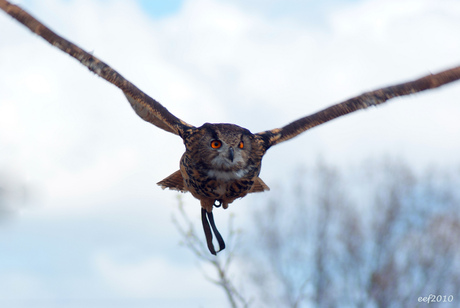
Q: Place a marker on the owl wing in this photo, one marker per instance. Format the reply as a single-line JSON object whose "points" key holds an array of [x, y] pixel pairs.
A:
{"points": [[146, 107], [373, 98]]}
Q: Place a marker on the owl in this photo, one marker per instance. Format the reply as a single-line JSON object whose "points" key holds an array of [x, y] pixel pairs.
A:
{"points": [[221, 162]]}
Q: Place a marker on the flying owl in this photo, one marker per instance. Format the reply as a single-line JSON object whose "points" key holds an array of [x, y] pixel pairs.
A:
{"points": [[221, 162]]}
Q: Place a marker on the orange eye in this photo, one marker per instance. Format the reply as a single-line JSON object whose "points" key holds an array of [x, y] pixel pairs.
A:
{"points": [[215, 144], [241, 145]]}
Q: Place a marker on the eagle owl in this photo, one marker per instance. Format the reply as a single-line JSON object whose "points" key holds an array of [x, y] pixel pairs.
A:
{"points": [[221, 162]]}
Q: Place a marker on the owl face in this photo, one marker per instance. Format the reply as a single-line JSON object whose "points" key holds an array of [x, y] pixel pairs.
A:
{"points": [[223, 150]]}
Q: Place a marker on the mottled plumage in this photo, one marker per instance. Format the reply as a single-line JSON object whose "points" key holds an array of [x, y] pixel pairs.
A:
{"points": [[224, 173], [221, 161]]}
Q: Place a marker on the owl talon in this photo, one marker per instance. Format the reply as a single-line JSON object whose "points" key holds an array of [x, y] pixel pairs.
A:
{"points": [[207, 219]]}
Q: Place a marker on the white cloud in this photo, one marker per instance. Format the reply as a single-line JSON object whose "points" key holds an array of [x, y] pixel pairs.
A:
{"points": [[150, 278], [20, 285]]}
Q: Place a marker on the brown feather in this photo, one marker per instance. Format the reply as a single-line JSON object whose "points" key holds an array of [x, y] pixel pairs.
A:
{"points": [[259, 186], [175, 182], [146, 107], [362, 101]]}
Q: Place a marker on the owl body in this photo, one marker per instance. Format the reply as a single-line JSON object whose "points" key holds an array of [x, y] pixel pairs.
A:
{"points": [[221, 163]]}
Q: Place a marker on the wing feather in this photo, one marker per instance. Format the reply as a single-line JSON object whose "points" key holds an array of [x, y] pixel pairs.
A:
{"points": [[365, 100], [146, 107]]}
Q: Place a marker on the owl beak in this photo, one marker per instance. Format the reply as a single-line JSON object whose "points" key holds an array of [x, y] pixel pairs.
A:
{"points": [[230, 154]]}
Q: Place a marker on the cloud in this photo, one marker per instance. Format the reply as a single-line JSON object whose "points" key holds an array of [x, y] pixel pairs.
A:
{"points": [[149, 278], [21, 285]]}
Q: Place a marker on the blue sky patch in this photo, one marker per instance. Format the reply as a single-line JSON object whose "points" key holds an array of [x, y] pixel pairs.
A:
{"points": [[161, 8]]}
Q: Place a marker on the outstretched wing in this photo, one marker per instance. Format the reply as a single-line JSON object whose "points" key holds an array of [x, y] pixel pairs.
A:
{"points": [[146, 107], [373, 98]]}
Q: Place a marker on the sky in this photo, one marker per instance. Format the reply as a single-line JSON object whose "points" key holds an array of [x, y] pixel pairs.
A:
{"points": [[84, 223]]}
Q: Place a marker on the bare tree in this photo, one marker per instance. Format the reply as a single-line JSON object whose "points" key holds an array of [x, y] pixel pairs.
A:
{"points": [[381, 235], [377, 236], [221, 264]]}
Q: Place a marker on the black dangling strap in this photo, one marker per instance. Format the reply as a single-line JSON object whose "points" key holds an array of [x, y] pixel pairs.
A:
{"points": [[207, 231], [219, 238], [206, 219]]}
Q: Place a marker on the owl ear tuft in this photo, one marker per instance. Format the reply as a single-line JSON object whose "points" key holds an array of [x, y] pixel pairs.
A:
{"points": [[175, 182]]}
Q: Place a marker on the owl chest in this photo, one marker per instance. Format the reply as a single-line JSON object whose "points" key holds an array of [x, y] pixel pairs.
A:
{"points": [[207, 183]]}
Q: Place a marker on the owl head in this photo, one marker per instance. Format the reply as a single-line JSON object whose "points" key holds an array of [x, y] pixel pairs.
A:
{"points": [[222, 147]]}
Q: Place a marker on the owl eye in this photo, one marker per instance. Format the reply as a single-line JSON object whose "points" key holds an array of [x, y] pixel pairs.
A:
{"points": [[215, 144], [241, 145]]}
